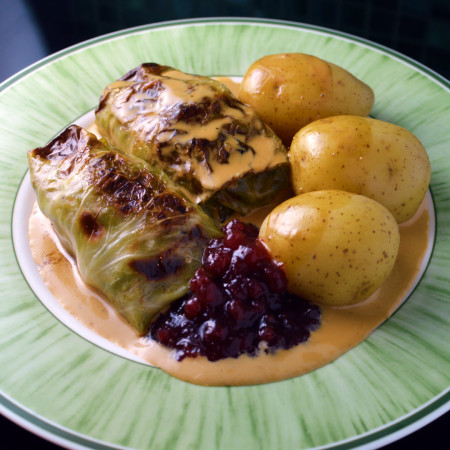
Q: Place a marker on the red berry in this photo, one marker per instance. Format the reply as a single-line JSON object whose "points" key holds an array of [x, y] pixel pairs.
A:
{"points": [[267, 333], [192, 308], [276, 278], [166, 336], [237, 300], [212, 331], [209, 293], [236, 310], [198, 280], [216, 260], [236, 289]]}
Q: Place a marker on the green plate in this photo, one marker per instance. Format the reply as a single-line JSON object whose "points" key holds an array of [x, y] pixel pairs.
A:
{"points": [[58, 383]]}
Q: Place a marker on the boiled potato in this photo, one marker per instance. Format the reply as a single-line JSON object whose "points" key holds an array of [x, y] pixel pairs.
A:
{"points": [[366, 156], [290, 90], [337, 247]]}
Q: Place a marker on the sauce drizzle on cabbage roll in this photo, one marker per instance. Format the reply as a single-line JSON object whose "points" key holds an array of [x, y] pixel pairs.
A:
{"points": [[194, 129]]}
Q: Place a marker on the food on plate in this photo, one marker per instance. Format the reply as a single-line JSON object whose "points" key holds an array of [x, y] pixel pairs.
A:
{"points": [[362, 155], [238, 303], [341, 328], [139, 208], [136, 239], [337, 247], [290, 90], [196, 131]]}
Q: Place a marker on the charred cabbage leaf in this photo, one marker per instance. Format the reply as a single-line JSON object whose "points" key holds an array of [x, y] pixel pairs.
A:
{"points": [[195, 130], [136, 239]]}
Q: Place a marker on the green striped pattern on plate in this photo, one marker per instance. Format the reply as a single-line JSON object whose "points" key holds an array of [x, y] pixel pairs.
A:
{"points": [[70, 388]]}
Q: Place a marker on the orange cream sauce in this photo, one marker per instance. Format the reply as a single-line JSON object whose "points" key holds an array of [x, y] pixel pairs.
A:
{"points": [[341, 329], [267, 151]]}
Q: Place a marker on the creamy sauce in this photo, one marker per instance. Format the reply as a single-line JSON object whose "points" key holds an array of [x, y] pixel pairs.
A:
{"points": [[135, 107], [341, 328], [232, 85]]}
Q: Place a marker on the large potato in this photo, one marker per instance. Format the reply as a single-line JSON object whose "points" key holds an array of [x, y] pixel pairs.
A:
{"points": [[365, 156], [337, 248], [290, 90]]}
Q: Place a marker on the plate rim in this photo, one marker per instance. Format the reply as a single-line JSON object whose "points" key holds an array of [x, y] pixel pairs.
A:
{"points": [[222, 20], [60, 435]]}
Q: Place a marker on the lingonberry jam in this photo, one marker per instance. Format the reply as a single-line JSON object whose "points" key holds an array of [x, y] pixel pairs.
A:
{"points": [[237, 303]]}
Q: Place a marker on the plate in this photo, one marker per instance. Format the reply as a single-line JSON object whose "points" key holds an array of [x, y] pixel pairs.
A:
{"points": [[59, 384]]}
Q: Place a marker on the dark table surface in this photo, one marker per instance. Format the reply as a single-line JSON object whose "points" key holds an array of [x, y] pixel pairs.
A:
{"points": [[418, 28]]}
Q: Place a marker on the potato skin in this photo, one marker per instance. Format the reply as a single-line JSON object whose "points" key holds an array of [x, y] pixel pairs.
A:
{"points": [[290, 90], [337, 247], [362, 155]]}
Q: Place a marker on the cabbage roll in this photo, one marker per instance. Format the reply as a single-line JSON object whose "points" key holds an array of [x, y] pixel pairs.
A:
{"points": [[194, 129], [136, 239]]}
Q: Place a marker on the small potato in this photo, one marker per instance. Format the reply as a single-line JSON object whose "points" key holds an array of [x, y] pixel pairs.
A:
{"points": [[366, 156], [337, 248], [290, 90]]}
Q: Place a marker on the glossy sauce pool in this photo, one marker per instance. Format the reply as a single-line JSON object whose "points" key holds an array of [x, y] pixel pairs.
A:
{"points": [[341, 328]]}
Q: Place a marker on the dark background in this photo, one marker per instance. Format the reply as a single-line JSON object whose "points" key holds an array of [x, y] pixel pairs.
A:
{"points": [[33, 29]]}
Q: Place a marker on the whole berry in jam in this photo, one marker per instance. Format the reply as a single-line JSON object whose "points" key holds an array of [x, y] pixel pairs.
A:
{"points": [[237, 303]]}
